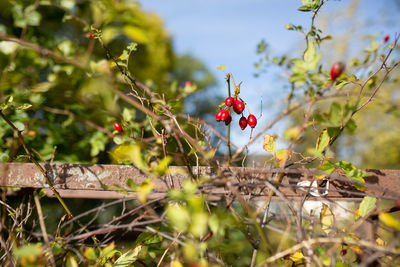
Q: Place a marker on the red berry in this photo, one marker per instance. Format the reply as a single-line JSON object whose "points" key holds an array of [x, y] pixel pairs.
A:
{"points": [[90, 35], [386, 38], [188, 83], [224, 114], [343, 252], [228, 119], [238, 106], [337, 69], [252, 121], [218, 115], [118, 127], [229, 101], [243, 123]]}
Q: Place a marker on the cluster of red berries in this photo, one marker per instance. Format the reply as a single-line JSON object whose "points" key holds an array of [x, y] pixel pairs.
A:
{"points": [[238, 107]]}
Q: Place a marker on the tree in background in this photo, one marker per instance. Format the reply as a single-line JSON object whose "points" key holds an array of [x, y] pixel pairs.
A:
{"points": [[376, 142], [49, 59]]}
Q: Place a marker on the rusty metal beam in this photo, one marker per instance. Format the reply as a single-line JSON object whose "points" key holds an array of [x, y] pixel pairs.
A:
{"points": [[98, 181]]}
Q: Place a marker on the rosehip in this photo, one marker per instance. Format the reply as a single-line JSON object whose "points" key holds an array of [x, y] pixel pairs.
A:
{"points": [[228, 119], [238, 106], [118, 127], [188, 83], [252, 121], [90, 35], [337, 69], [224, 114], [243, 123], [218, 115], [229, 101], [343, 252], [386, 38]]}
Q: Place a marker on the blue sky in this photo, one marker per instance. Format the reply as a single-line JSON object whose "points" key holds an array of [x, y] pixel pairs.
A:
{"points": [[227, 32]]}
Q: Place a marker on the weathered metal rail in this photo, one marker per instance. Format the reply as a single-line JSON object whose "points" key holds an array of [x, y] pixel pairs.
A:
{"points": [[99, 181]]}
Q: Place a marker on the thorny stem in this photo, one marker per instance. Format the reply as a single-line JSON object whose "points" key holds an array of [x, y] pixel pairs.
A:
{"points": [[47, 178], [43, 228], [228, 143], [34, 161]]}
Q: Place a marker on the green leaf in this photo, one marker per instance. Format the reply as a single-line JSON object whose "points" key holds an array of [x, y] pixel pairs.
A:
{"points": [[71, 262], [333, 131], [351, 126], [178, 216], [327, 167], [136, 33], [162, 167], [20, 126], [311, 58], [289, 27], [98, 142], [323, 141], [373, 47], [341, 85], [128, 114], [345, 165], [29, 250], [335, 114], [132, 153], [148, 239], [24, 106], [128, 258], [199, 224], [327, 219], [132, 184], [367, 205]]}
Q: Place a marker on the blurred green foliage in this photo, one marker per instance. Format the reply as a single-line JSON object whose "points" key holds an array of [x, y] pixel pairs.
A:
{"points": [[72, 94]]}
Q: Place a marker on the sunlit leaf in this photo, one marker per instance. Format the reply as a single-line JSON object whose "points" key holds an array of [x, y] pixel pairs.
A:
{"points": [[282, 155], [176, 264], [71, 262], [323, 141], [297, 256], [327, 219], [221, 67], [29, 250], [389, 220], [269, 144], [199, 224], [128, 258], [367, 205], [292, 133]]}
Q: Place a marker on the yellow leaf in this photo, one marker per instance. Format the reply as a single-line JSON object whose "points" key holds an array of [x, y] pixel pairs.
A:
{"points": [[380, 242], [292, 133], [269, 144], [282, 154], [176, 264], [357, 214], [327, 219], [297, 256], [221, 67], [71, 262], [389, 220], [136, 33]]}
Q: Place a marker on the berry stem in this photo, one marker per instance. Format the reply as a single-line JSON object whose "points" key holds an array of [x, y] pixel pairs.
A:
{"points": [[228, 143]]}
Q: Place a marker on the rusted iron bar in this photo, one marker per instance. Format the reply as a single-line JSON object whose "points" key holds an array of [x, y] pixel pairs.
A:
{"points": [[104, 181]]}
